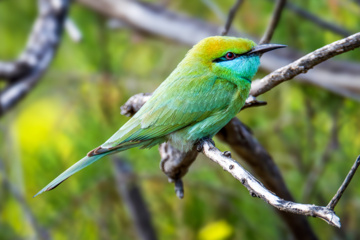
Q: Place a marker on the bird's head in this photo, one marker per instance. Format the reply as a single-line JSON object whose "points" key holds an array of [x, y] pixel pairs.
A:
{"points": [[229, 57]]}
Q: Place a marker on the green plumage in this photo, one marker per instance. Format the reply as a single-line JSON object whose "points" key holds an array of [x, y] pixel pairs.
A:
{"points": [[204, 92]]}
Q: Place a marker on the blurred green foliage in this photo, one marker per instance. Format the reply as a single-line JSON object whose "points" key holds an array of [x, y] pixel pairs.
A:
{"points": [[75, 108]]}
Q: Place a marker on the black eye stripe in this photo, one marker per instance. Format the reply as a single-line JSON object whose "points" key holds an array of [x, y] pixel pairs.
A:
{"points": [[223, 58]]}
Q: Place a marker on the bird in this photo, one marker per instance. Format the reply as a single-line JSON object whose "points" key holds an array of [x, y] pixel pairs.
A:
{"points": [[204, 92]]}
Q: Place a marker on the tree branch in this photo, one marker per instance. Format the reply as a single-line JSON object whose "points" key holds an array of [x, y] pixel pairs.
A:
{"points": [[256, 189], [25, 72], [231, 16], [175, 164], [316, 20], [245, 145], [303, 64], [133, 199], [273, 22], [344, 185]]}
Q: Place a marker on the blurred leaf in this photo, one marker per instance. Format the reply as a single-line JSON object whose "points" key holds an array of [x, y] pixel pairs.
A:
{"points": [[218, 230]]}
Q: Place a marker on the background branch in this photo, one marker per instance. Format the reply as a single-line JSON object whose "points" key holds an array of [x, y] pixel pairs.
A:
{"points": [[126, 183], [231, 16], [273, 22], [22, 74], [317, 20]]}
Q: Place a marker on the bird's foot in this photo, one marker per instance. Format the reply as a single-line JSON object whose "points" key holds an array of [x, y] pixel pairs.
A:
{"points": [[199, 143], [179, 188]]}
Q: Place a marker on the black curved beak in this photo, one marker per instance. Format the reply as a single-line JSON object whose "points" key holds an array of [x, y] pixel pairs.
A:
{"points": [[263, 48]]}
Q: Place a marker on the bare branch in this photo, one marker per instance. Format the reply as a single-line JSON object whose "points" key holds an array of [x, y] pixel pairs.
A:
{"points": [[231, 16], [305, 63], [175, 165], [256, 189], [25, 72], [130, 192], [251, 101], [344, 185], [273, 22], [134, 104], [245, 145], [318, 21]]}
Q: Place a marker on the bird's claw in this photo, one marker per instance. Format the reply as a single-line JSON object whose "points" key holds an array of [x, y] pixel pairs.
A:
{"points": [[199, 144], [179, 188]]}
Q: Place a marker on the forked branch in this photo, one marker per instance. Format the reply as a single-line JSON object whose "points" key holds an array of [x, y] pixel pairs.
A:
{"points": [[256, 189]]}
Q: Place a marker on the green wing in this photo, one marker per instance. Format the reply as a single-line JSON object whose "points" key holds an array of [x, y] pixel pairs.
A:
{"points": [[173, 106]]}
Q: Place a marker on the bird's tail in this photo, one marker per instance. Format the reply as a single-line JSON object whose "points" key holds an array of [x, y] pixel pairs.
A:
{"points": [[84, 162], [95, 155]]}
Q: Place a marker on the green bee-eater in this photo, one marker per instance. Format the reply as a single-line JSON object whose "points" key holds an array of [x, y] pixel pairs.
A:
{"points": [[205, 91]]}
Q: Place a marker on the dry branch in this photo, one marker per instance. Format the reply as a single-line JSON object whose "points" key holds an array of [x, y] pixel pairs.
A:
{"points": [[317, 20], [344, 185], [273, 22], [304, 64], [130, 192], [231, 16], [22, 74], [245, 145], [256, 189], [175, 164]]}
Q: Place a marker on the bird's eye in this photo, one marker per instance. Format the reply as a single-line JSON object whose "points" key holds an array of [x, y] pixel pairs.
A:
{"points": [[230, 56]]}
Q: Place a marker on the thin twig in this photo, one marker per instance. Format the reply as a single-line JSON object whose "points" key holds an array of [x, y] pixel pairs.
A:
{"points": [[231, 16], [256, 189], [303, 64], [273, 22], [317, 20], [344, 185]]}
